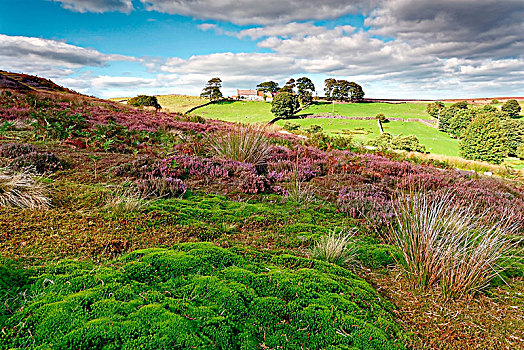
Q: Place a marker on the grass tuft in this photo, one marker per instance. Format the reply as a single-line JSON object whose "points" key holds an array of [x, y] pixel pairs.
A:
{"points": [[22, 190], [245, 143], [445, 243], [336, 248]]}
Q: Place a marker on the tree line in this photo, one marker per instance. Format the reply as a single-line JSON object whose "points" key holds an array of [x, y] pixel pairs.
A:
{"points": [[485, 133]]}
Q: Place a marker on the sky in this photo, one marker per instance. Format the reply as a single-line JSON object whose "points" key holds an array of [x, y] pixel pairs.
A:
{"points": [[427, 49]]}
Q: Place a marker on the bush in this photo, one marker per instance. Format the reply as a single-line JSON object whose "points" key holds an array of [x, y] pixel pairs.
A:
{"points": [[381, 117], [434, 109], [313, 129], [406, 143], [143, 100], [22, 190], [484, 140], [445, 243], [520, 151], [289, 126], [197, 295], [494, 101], [512, 108], [38, 162]]}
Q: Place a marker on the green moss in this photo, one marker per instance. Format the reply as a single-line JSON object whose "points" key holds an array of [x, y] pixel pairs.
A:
{"points": [[197, 295]]}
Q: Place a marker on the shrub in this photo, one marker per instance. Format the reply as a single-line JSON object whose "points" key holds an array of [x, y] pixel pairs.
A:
{"points": [[245, 143], [434, 109], [512, 108], [406, 143], [381, 117], [494, 101], [460, 105], [484, 140], [39, 162], [290, 126], [336, 248], [520, 151], [444, 243], [313, 129], [197, 295], [59, 124], [143, 100], [14, 150], [164, 187], [22, 190]]}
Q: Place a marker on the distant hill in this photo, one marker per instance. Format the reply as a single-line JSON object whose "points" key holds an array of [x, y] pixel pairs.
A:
{"points": [[26, 82]]}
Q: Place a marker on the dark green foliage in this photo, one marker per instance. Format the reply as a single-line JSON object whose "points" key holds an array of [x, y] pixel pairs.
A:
{"points": [[484, 140], [305, 88], [59, 124], [514, 133], [289, 126], [268, 86], [212, 89], [324, 141], [512, 108], [284, 105], [381, 117], [520, 151], [434, 109], [459, 122], [460, 105], [312, 129], [289, 86], [201, 296], [40, 162], [407, 143], [143, 100], [343, 90]]}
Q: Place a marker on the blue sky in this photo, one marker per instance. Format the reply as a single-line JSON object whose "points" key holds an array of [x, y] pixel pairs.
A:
{"points": [[393, 48]]}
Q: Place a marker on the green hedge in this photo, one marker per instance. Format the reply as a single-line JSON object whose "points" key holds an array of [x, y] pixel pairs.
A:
{"points": [[199, 296]]}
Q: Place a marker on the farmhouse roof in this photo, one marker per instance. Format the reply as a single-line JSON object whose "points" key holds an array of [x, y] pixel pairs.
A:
{"points": [[247, 92]]}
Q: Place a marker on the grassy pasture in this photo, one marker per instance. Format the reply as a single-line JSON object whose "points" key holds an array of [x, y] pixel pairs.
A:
{"points": [[401, 110]]}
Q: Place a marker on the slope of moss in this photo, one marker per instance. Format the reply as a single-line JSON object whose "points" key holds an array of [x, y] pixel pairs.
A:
{"points": [[197, 295]]}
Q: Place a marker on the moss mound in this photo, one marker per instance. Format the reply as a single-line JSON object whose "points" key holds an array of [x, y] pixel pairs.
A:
{"points": [[198, 296]]}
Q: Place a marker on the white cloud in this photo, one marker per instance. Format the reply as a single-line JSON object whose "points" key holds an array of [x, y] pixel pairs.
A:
{"points": [[49, 57], [97, 6], [259, 12]]}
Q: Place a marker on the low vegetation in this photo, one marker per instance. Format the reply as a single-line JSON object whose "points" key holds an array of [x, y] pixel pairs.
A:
{"points": [[164, 230]]}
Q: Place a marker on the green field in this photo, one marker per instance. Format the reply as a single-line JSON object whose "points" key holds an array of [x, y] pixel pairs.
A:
{"points": [[238, 111], [435, 141], [401, 110], [173, 103]]}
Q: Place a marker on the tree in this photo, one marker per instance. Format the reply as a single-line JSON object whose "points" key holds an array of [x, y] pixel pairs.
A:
{"points": [[512, 108], [289, 87], [305, 88], [484, 140], [460, 121], [284, 105], [143, 100], [460, 105], [435, 108], [212, 90], [329, 86], [343, 90], [514, 132], [268, 86]]}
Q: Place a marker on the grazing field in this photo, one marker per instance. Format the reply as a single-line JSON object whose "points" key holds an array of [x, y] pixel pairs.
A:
{"points": [[238, 111], [173, 103], [401, 110]]}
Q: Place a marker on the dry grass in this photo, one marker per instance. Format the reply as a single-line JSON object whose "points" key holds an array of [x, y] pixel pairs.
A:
{"points": [[125, 200], [245, 143], [336, 248], [486, 322], [22, 190], [444, 243]]}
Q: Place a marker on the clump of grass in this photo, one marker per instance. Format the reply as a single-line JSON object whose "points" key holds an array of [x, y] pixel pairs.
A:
{"points": [[126, 200], [445, 243], [300, 192], [245, 143], [22, 190], [336, 248]]}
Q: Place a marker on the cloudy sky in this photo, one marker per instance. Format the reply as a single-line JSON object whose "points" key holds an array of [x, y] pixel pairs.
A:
{"points": [[393, 48]]}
